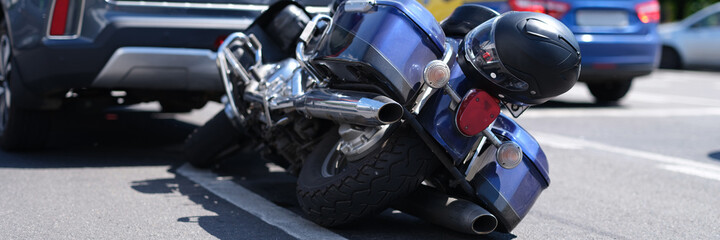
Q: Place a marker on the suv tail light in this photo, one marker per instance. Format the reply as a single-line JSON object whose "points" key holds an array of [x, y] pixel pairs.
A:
{"points": [[648, 12], [556, 9], [59, 17]]}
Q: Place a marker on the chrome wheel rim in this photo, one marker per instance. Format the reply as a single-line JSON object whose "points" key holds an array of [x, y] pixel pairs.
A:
{"points": [[5, 68], [335, 162]]}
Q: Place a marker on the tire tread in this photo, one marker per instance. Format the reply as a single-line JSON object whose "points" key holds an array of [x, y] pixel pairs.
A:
{"points": [[394, 172]]}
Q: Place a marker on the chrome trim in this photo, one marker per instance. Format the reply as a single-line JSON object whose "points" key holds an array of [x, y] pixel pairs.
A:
{"points": [[305, 37], [357, 142], [349, 107], [213, 6], [480, 161], [222, 64], [453, 96], [225, 56], [426, 91], [494, 140], [79, 23], [359, 5], [423, 96], [236, 119], [470, 157]]}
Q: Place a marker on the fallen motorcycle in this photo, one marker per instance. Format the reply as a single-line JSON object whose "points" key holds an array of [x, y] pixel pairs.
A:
{"points": [[381, 106]]}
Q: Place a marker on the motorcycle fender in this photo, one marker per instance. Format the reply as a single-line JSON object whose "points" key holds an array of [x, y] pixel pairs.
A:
{"points": [[507, 193]]}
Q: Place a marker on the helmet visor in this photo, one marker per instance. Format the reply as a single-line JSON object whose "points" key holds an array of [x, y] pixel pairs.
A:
{"points": [[481, 52]]}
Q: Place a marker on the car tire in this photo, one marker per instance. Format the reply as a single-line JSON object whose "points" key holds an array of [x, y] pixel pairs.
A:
{"points": [[609, 91], [20, 129], [360, 188], [183, 102], [670, 59], [205, 146]]}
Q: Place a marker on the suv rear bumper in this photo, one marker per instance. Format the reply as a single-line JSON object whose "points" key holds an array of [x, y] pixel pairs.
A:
{"points": [[160, 68], [177, 43], [615, 57], [175, 39]]}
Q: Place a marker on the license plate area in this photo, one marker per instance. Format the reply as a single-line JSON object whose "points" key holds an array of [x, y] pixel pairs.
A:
{"points": [[602, 18]]}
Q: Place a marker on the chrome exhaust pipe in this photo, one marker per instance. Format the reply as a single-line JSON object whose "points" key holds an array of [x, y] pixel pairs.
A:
{"points": [[349, 107], [457, 214]]}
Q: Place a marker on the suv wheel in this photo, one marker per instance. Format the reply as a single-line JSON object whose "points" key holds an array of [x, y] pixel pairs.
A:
{"points": [[20, 129], [609, 91], [670, 59]]}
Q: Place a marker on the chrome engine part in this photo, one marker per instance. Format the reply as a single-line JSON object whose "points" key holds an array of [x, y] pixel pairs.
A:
{"points": [[281, 101]]}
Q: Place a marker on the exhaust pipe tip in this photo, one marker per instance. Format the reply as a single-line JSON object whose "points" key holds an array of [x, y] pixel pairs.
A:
{"points": [[390, 113], [484, 224], [454, 213]]}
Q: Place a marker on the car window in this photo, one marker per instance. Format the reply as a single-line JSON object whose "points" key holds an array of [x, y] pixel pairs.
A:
{"points": [[709, 21]]}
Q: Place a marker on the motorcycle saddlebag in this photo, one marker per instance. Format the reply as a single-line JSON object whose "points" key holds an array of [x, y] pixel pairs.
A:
{"points": [[387, 46], [510, 193]]}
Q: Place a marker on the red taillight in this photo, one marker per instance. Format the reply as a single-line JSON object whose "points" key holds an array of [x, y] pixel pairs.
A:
{"points": [[476, 112], [59, 17], [553, 8], [219, 41], [527, 5], [648, 12], [557, 9]]}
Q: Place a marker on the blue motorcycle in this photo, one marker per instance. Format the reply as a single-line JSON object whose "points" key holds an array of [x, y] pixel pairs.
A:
{"points": [[381, 106]]}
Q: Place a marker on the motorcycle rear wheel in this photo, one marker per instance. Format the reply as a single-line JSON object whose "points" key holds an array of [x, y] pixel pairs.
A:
{"points": [[333, 191]]}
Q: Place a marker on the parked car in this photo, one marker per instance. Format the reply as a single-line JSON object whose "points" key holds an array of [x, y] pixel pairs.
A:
{"points": [[108, 52], [618, 39], [692, 42]]}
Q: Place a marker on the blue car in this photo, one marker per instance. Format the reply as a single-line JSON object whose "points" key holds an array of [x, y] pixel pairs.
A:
{"points": [[618, 39]]}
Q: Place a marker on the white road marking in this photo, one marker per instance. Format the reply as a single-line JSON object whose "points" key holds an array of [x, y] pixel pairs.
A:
{"points": [[692, 171], [623, 113], [256, 205], [663, 98], [675, 164]]}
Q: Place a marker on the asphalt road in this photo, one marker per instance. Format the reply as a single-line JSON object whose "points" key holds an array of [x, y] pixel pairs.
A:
{"points": [[648, 168]]}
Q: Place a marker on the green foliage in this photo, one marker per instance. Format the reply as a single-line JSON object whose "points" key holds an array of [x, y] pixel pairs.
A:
{"points": [[675, 10]]}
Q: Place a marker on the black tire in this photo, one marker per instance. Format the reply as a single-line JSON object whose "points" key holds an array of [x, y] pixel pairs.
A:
{"points": [[183, 102], [23, 130], [670, 59], [174, 107], [609, 91], [20, 129], [365, 186], [207, 143]]}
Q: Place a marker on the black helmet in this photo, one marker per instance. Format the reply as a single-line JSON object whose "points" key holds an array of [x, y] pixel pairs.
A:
{"points": [[523, 58]]}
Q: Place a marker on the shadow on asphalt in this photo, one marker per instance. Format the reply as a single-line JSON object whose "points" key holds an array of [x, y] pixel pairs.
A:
{"points": [[228, 221], [132, 138], [249, 171], [106, 139]]}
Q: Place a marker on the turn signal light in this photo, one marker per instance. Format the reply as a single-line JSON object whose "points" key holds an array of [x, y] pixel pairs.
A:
{"points": [[436, 74], [476, 112], [509, 155]]}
